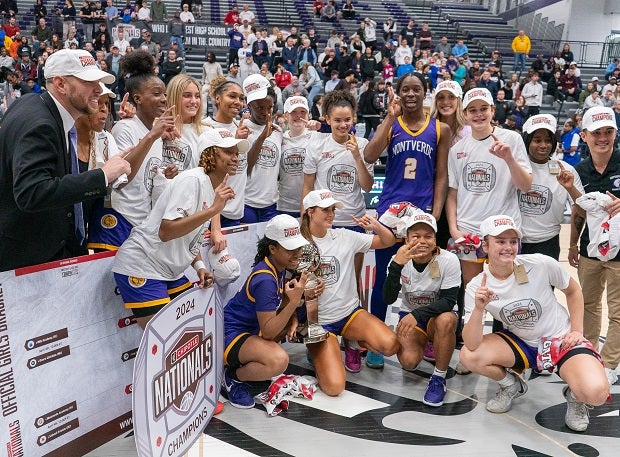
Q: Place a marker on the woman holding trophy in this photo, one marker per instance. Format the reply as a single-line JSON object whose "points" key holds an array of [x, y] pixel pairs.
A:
{"points": [[339, 310]]}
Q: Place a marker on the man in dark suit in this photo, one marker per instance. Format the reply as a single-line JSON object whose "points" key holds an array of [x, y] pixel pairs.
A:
{"points": [[40, 197]]}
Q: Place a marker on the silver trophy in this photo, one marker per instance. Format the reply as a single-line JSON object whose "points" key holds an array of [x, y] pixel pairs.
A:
{"points": [[310, 261]]}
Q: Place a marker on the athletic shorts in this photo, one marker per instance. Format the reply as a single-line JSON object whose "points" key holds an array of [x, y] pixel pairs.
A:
{"points": [[107, 229], [421, 326], [147, 296], [339, 327]]}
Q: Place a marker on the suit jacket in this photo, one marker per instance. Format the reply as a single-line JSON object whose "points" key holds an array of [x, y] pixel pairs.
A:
{"points": [[37, 189]]}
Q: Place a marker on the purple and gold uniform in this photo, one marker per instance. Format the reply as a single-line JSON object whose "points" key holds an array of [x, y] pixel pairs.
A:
{"points": [[262, 292], [410, 167], [107, 228], [409, 177]]}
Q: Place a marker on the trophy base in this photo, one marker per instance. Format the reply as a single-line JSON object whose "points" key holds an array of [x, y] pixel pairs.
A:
{"points": [[316, 334]]}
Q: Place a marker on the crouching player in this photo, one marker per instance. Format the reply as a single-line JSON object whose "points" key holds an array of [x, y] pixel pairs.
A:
{"points": [[429, 278]]}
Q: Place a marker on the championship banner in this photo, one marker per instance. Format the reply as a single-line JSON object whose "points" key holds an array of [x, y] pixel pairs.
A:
{"points": [[177, 375], [67, 345]]}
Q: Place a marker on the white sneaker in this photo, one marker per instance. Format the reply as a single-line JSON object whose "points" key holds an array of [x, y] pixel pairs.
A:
{"points": [[577, 416], [612, 376], [504, 396]]}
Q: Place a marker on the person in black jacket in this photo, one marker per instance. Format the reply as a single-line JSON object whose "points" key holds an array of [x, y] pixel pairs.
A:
{"points": [[171, 67]]}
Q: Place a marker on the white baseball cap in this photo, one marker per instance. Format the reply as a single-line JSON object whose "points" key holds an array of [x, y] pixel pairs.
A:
{"points": [[478, 93], [322, 198], [496, 225], [285, 230], [225, 267], [106, 91], [420, 217], [451, 86], [255, 87], [540, 121], [222, 138], [78, 63], [294, 102], [597, 117]]}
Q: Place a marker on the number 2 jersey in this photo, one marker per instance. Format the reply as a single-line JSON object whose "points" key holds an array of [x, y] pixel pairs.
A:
{"points": [[410, 167]]}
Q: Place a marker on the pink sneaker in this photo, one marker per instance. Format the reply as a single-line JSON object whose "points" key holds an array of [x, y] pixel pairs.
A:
{"points": [[352, 359], [429, 352]]}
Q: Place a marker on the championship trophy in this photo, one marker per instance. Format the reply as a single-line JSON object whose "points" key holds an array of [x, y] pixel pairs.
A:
{"points": [[310, 260]]}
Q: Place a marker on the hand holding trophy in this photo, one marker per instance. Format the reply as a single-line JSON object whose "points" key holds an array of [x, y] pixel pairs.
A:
{"points": [[310, 260]]}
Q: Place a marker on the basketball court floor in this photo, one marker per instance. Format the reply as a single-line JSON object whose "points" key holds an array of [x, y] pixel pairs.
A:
{"points": [[381, 414]]}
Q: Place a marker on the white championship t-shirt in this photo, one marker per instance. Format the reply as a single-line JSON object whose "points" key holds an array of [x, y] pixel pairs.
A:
{"points": [[144, 254], [134, 200], [483, 182], [261, 189], [337, 249], [335, 169], [542, 208], [419, 289], [291, 171], [531, 310], [234, 207]]}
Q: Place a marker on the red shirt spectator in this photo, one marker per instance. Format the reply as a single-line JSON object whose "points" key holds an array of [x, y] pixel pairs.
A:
{"points": [[283, 78], [232, 17], [11, 28]]}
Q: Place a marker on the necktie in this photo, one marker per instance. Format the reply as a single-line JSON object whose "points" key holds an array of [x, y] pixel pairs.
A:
{"points": [[78, 212]]}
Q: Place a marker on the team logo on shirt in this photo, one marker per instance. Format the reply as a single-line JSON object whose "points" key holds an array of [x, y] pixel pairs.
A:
{"points": [[329, 270], [242, 163], [108, 221], [536, 201], [293, 160], [268, 155], [420, 299], [151, 169], [196, 241], [177, 153], [615, 182], [522, 313], [341, 178], [136, 282], [479, 177]]}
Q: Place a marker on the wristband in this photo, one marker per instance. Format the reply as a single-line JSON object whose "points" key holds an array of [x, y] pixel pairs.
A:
{"points": [[199, 264], [574, 246]]}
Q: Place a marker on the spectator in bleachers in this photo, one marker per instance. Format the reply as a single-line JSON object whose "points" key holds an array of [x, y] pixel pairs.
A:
{"points": [[333, 41], [459, 48], [389, 30], [6, 61], [401, 52], [567, 55], [247, 14], [232, 17], [39, 10], [211, 69], [585, 93], [611, 85], [387, 51], [486, 82], [521, 46], [554, 86], [386, 70], [328, 63], [317, 7], [347, 82], [367, 64], [295, 36], [405, 68], [158, 11], [520, 112], [283, 76], [344, 62], [611, 67], [425, 37], [235, 44], [186, 16], [86, 17], [289, 55], [503, 107], [560, 62], [570, 84], [548, 69], [538, 65], [171, 67], [329, 12], [474, 72], [311, 81], [57, 44], [370, 37], [331, 84], [574, 66], [71, 39], [592, 100], [608, 99], [111, 11], [248, 67], [314, 39], [533, 94], [11, 27], [26, 67], [264, 71], [306, 53], [144, 13], [295, 87], [570, 142], [233, 74], [348, 10], [409, 33], [121, 43], [41, 35], [260, 48], [443, 46]]}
